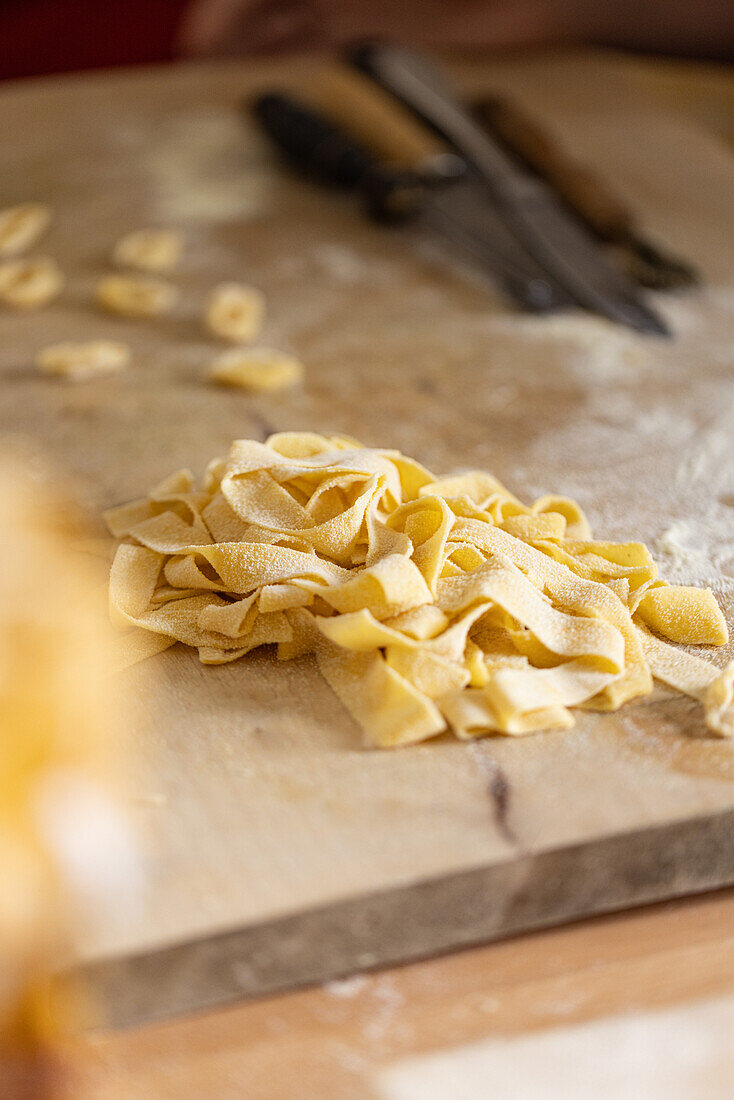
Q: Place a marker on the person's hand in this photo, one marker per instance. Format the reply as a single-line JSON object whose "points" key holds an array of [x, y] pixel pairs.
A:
{"points": [[273, 26], [269, 26]]}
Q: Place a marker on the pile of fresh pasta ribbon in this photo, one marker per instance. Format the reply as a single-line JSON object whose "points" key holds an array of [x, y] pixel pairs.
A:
{"points": [[428, 602]]}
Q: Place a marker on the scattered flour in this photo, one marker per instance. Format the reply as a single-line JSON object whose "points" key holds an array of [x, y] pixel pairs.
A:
{"points": [[679, 1053], [384, 1015], [341, 263], [594, 348], [681, 547], [346, 987], [709, 450], [191, 174], [695, 552]]}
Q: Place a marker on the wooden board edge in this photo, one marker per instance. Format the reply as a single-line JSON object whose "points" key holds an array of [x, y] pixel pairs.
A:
{"points": [[416, 921]]}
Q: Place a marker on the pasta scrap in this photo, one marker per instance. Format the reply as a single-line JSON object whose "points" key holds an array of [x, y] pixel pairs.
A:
{"points": [[689, 615], [262, 370], [82, 361], [21, 226], [428, 603], [235, 312], [30, 284], [135, 295], [155, 250]]}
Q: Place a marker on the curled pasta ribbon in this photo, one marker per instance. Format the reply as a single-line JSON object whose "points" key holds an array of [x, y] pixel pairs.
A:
{"points": [[695, 677], [428, 603], [719, 703]]}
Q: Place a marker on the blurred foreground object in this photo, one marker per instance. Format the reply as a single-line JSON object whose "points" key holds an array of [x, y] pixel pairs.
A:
{"points": [[65, 853]]}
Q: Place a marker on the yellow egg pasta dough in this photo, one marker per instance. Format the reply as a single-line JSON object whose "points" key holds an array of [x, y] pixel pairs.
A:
{"points": [[429, 603], [260, 370], [235, 312], [81, 361], [155, 250], [27, 284], [135, 295], [21, 226]]}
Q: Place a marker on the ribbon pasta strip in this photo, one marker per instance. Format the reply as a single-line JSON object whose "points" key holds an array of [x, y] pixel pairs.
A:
{"points": [[428, 603]]}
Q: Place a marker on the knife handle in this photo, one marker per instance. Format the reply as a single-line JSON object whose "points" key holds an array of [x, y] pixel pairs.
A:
{"points": [[582, 189], [414, 80], [317, 147], [311, 143], [379, 121]]}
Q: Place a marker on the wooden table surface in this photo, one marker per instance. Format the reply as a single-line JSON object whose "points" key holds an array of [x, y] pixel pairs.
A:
{"points": [[333, 1043], [351, 1040]]}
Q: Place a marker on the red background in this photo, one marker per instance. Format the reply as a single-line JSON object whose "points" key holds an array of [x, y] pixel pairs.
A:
{"points": [[47, 36]]}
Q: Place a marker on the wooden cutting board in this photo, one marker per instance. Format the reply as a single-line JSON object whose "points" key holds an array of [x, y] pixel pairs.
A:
{"points": [[269, 834]]}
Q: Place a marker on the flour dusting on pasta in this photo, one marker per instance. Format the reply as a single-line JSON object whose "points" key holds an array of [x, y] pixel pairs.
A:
{"points": [[429, 603]]}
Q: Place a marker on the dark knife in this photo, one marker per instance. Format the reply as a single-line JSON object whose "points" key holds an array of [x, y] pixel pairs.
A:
{"points": [[447, 202], [533, 214]]}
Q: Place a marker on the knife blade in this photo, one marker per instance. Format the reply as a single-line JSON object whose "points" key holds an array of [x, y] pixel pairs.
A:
{"points": [[533, 214], [451, 206]]}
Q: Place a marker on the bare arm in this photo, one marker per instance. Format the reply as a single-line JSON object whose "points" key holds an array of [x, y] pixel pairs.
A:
{"points": [[269, 26]]}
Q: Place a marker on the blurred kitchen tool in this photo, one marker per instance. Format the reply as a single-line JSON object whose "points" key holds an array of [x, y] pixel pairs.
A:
{"points": [[559, 242], [433, 192], [585, 192]]}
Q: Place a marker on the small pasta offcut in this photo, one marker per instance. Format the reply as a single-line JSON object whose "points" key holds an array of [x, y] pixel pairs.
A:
{"points": [[80, 361], [136, 295], [30, 284], [21, 226], [156, 250], [428, 602], [261, 370], [235, 312]]}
